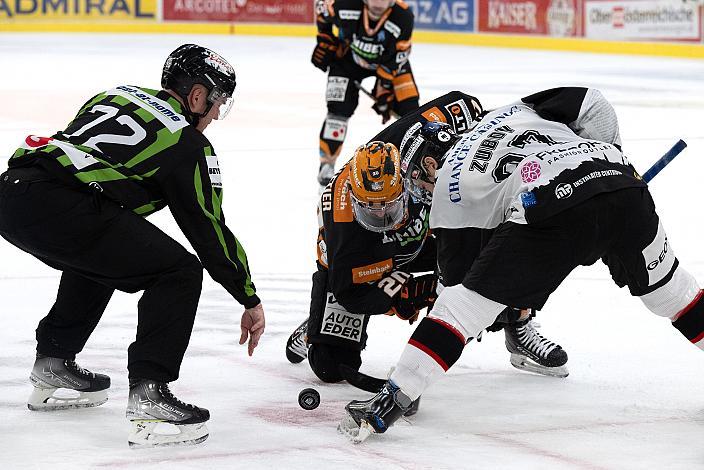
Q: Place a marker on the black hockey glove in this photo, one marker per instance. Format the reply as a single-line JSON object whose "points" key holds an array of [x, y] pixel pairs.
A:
{"points": [[417, 293], [324, 51], [384, 98]]}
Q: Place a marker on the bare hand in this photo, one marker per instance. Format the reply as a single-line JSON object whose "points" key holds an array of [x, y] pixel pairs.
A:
{"points": [[252, 325]]}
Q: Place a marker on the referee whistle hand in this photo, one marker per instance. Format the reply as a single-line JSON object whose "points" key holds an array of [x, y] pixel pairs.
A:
{"points": [[252, 326]]}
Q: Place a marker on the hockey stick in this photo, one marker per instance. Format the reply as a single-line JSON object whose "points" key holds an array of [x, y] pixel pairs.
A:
{"points": [[664, 160], [359, 86], [360, 380]]}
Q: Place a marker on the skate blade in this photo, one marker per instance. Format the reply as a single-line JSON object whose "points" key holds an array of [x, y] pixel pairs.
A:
{"points": [[355, 433], [523, 363], [144, 434], [45, 399]]}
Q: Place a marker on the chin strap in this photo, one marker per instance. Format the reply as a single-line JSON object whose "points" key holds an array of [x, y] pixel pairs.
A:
{"points": [[192, 117]]}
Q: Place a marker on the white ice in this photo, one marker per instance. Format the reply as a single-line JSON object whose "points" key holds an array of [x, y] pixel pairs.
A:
{"points": [[635, 395]]}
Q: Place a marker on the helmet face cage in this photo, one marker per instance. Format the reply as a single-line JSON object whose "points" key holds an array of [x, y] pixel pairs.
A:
{"points": [[190, 65], [381, 216], [378, 197]]}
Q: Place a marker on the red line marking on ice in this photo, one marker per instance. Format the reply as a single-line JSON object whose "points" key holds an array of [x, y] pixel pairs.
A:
{"points": [[563, 459]]}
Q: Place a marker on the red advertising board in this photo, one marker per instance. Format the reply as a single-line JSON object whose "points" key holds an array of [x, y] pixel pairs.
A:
{"points": [[543, 17], [244, 11]]}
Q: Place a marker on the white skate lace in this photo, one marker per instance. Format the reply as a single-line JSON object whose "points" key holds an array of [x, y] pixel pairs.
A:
{"points": [[534, 341]]}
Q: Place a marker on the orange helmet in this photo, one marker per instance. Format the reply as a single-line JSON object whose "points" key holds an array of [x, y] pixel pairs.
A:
{"points": [[379, 200]]}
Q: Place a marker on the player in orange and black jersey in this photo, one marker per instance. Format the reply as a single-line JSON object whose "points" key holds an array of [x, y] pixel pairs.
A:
{"points": [[349, 251], [372, 38], [372, 237]]}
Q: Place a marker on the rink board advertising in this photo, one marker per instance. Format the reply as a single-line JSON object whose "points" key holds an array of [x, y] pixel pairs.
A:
{"points": [[79, 10], [245, 11], [443, 15], [643, 20], [559, 18]]}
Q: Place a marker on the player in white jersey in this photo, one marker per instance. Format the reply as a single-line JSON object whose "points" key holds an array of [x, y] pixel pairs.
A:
{"points": [[547, 174]]}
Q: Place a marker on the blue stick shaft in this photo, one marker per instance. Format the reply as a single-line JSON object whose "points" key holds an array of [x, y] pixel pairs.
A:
{"points": [[664, 160]]}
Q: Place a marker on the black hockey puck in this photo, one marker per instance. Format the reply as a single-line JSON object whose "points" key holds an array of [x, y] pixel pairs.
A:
{"points": [[309, 399]]}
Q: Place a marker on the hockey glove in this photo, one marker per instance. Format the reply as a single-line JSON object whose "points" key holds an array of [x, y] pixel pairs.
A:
{"points": [[384, 98], [324, 51], [417, 293]]}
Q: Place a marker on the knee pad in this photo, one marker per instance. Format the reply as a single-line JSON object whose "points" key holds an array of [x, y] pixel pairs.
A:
{"points": [[674, 296], [325, 360], [465, 311], [332, 136]]}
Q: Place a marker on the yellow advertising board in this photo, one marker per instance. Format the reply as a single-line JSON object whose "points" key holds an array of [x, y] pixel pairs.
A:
{"points": [[78, 10]]}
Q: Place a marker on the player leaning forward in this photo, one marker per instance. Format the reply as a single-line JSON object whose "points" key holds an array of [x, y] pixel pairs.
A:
{"points": [[548, 173], [77, 201]]}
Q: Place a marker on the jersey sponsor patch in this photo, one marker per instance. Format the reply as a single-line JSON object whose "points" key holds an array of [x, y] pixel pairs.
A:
{"points": [[349, 14], [214, 171], [337, 87], [339, 322], [335, 129], [434, 114], [371, 272], [158, 108], [461, 117], [659, 257], [393, 28], [342, 209]]}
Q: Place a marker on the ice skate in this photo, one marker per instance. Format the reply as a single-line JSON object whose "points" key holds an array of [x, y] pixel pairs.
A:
{"points": [[61, 384], [160, 419], [325, 173], [297, 345], [532, 352], [376, 415]]}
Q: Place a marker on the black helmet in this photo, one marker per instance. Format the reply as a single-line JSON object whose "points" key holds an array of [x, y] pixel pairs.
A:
{"points": [[191, 64], [430, 139]]}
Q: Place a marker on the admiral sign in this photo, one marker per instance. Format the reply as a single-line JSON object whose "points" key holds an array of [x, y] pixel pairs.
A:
{"points": [[100, 10]]}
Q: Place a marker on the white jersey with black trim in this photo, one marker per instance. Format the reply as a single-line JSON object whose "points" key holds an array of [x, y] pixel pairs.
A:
{"points": [[518, 166]]}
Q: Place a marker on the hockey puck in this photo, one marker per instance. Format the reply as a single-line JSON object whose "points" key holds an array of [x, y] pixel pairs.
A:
{"points": [[309, 399]]}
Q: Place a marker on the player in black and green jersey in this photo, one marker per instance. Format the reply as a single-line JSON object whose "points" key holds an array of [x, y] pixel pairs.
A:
{"points": [[78, 201]]}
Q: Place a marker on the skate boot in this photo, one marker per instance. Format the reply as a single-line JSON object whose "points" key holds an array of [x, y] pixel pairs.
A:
{"points": [[60, 384], [532, 352], [297, 346], [325, 173], [376, 415], [154, 412]]}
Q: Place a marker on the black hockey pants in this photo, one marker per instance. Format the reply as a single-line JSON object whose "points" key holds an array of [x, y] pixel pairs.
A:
{"points": [[100, 247]]}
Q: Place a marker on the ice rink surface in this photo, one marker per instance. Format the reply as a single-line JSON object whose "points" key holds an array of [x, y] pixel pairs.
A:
{"points": [[635, 395]]}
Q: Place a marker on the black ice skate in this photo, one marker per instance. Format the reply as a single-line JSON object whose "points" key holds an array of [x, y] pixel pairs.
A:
{"points": [[297, 345], [154, 412], [325, 173], [60, 384], [376, 415], [532, 352]]}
